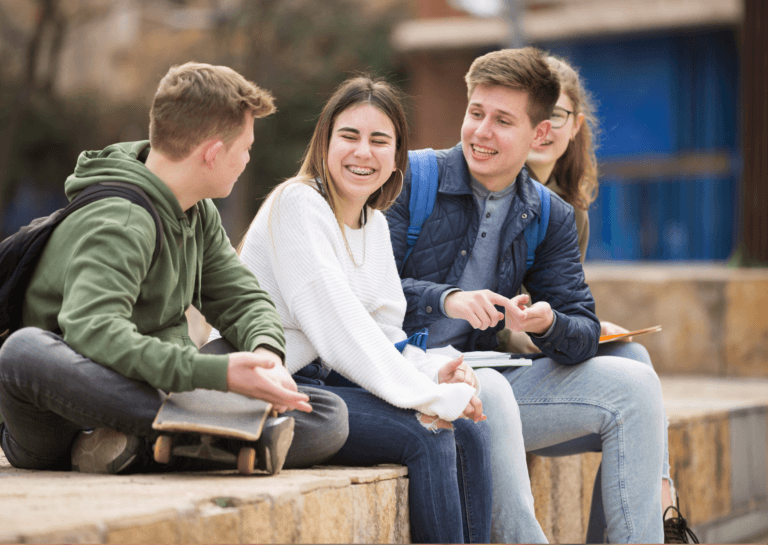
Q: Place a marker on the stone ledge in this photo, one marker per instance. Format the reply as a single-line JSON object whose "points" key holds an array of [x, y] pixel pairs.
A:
{"points": [[366, 505], [718, 442], [714, 318]]}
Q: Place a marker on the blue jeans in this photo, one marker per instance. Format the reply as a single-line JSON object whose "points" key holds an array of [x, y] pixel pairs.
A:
{"points": [[596, 529], [49, 393], [610, 405], [514, 518], [449, 471]]}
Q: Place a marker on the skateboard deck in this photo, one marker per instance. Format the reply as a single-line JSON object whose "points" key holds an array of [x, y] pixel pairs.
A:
{"points": [[211, 412], [211, 415]]}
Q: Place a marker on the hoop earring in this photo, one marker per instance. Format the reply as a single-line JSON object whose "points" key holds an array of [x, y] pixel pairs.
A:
{"points": [[402, 179]]}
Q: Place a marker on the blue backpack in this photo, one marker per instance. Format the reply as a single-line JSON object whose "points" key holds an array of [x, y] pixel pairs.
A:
{"points": [[424, 191]]}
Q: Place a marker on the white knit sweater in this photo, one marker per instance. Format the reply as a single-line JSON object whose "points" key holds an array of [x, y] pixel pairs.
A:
{"points": [[348, 313]]}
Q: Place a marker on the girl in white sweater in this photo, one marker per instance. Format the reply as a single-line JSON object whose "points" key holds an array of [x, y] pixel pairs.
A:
{"points": [[320, 246]]}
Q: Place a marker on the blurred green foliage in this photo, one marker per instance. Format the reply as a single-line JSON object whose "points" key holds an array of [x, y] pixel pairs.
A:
{"points": [[300, 51]]}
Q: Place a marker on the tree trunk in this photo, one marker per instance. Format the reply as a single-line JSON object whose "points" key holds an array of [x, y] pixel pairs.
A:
{"points": [[755, 136]]}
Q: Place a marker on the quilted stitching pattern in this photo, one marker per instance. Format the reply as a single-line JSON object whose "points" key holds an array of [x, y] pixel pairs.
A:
{"points": [[437, 260]]}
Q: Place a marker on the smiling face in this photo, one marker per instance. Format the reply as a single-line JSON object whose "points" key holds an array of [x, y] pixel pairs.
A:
{"points": [[361, 157], [497, 135], [545, 154]]}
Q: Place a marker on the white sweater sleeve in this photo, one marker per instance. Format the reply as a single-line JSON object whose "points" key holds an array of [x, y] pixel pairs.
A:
{"points": [[306, 258]]}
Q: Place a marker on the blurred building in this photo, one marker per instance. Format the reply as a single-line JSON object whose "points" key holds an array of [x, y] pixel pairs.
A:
{"points": [[666, 76]]}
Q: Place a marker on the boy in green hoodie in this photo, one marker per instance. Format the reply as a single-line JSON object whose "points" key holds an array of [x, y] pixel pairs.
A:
{"points": [[105, 333]]}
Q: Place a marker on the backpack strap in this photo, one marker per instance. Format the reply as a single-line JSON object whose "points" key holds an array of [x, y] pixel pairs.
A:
{"points": [[536, 231], [424, 176], [129, 192]]}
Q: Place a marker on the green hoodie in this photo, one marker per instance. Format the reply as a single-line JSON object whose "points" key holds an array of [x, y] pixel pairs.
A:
{"points": [[95, 287]]}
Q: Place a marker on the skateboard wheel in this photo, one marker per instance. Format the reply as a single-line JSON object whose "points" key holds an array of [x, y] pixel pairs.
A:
{"points": [[246, 459], [163, 449]]}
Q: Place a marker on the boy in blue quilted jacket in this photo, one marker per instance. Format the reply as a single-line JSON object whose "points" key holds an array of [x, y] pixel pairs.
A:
{"points": [[462, 281]]}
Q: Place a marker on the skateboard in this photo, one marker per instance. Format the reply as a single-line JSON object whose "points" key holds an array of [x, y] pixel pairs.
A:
{"points": [[222, 427]]}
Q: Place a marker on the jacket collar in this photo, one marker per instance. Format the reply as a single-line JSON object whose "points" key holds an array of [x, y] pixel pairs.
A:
{"points": [[456, 180]]}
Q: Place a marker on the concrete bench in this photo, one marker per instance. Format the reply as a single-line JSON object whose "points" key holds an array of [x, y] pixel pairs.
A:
{"points": [[718, 445]]}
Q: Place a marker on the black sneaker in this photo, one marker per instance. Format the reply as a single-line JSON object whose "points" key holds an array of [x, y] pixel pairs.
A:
{"points": [[676, 529], [104, 451]]}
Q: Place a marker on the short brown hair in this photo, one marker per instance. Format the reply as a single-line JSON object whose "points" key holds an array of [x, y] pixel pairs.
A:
{"points": [[524, 69], [196, 101]]}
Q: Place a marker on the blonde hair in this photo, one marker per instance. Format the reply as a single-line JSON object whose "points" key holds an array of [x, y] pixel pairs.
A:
{"points": [[522, 69], [576, 170], [196, 101]]}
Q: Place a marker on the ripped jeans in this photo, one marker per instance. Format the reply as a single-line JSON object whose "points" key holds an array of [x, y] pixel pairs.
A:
{"points": [[449, 471]]}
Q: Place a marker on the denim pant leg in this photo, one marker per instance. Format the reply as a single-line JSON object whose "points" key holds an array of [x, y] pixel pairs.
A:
{"points": [[474, 473], [317, 435], [637, 352], [514, 518], [49, 393], [382, 433], [596, 528], [612, 401]]}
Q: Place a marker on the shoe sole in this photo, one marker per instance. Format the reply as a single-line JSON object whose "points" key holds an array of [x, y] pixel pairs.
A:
{"points": [[103, 451], [274, 443]]}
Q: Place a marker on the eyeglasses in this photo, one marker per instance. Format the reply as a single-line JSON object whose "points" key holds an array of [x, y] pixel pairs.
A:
{"points": [[559, 117]]}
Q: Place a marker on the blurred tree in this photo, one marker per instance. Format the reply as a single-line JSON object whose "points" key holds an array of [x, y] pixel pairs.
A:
{"points": [[300, 50], [37, 143]]}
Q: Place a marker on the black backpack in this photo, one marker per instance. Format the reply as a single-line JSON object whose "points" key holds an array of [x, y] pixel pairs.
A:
{"points": [[20, 252]]}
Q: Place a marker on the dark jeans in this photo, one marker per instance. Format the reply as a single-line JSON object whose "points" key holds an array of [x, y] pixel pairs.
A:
{"points": [[49, 393], [449, 471]]}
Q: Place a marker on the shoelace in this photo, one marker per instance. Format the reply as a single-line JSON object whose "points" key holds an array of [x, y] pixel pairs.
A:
{"points": [[676, 528]]}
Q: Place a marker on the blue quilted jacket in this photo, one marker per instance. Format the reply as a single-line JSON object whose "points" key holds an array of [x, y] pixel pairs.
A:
{"points": [[445, 244]]}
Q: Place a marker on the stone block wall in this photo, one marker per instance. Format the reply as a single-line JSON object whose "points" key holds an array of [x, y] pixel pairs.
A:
{"points": [[562, 493], [714, 319]]}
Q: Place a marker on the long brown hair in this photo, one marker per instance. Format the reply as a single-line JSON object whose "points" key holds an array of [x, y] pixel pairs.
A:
{"points": [[576, 170], [354, 92]]}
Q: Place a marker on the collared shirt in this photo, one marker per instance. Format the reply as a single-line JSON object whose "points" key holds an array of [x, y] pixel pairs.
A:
{"points": [[480, 272]]}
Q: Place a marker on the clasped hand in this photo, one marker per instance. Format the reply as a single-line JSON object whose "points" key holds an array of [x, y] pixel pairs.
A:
{"points": [[456, 371], [479, 309], [260, 374]]}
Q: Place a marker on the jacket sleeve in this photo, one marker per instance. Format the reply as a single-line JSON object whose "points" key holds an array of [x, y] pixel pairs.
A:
{"points": [[422, 296], [232, 300], [557, 277]]}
